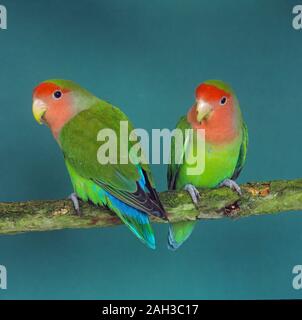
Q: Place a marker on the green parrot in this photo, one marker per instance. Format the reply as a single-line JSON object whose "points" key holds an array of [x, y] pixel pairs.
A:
{"points": [[75, 118], [217, 112]]}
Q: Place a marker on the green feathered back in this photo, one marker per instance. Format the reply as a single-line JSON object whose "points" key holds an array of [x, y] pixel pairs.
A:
{"points": [[78, 140]]}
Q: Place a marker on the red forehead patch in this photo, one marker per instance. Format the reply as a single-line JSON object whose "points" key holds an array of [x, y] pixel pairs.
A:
{"points": [[46, 89], [209, 92]]}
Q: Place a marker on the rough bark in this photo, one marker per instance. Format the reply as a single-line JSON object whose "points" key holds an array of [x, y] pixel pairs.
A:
{"points": [[257, 199]]}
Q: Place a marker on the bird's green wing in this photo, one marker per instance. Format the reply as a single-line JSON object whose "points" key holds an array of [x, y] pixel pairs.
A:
{"points": [[130, 183], [173, 167], [242, 152]]}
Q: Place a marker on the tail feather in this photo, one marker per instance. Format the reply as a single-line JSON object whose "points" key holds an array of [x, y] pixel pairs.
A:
{"points": [[178, 233], [137, 221]]}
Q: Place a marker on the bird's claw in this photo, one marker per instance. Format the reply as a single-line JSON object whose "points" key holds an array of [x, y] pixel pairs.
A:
{"points": [[73, 197], [232, 185], [194, 193]]}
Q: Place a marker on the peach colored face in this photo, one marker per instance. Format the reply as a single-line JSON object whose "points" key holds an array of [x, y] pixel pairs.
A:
{"points": [[215, 112], [52, 105], [212, 101]]}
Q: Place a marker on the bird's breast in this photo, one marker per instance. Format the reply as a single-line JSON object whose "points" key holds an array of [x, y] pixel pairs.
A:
{"points": [[219, 163]]}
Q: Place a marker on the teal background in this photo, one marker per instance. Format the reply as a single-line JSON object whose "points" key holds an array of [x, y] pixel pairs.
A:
{"points": [[147, 57]]}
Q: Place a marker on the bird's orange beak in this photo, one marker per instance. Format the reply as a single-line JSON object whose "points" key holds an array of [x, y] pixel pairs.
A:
{"points": [[203, 110], [39, 108]]}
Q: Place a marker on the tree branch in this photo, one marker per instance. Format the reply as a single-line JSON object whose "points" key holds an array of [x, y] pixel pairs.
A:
{"points": [[258, 198]]}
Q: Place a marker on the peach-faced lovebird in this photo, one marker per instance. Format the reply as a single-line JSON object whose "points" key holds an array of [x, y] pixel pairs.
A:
{"points": [[75, 118], [217, 111]]}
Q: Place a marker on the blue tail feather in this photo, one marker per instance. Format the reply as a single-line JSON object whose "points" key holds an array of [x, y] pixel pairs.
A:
{"points": [[137, 221]]}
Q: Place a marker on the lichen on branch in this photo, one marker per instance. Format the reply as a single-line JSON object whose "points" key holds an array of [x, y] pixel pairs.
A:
{"points": [[257, 199]]}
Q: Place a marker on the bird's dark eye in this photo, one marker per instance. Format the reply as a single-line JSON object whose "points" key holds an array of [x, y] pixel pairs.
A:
{"points": [[57, 94], [223, 100]]}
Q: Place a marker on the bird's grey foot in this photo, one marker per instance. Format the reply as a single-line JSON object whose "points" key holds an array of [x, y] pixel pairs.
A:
{"points": [[73, 197], [232, 185], [194, 193]]}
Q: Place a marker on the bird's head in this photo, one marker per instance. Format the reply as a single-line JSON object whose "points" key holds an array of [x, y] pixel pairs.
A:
{"points": [[216, 109], [55, 102], [213, 98]]}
